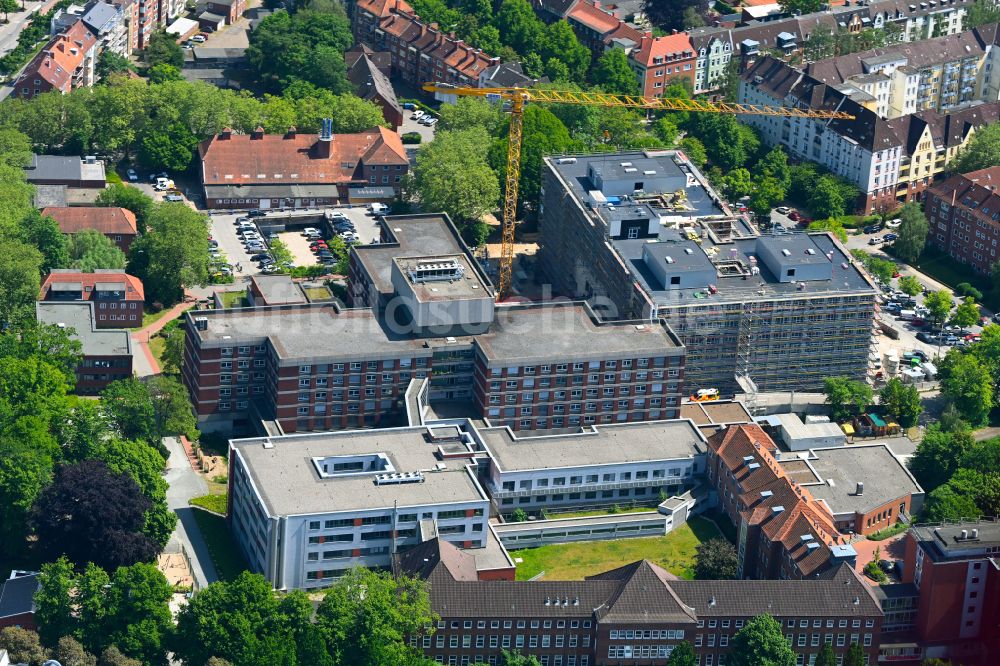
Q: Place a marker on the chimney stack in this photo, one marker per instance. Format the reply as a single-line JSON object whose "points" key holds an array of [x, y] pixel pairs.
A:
{"points": [[290, 134], [258, 133], [861, 489], [324, 144], [226, 133]]}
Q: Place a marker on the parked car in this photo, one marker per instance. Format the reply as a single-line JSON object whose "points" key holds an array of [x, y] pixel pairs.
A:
{"points": [[888, 238], [256, 212], [924, 336], [269, 269], [409, 106], [260, 256], [417, 115], [173, 198], [872, 228], [795, 216], [343, 225], [431, 121], [784, 210], [894, 224], [132, 176], [875, 241], [199, 39], [310, 231]]}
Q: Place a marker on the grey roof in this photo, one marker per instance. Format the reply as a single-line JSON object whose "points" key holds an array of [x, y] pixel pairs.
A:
{"points": [[521, 599], [232, 53], [600, 445], [278, 289], [408, 236], [211, 16], [369, 82], [54, 167], [507, 75], [99, 15], [841, 595], [838, 470], [289, 484], [645, 591], [17, 595], [79, 315], [528, 334], [945, 541]]}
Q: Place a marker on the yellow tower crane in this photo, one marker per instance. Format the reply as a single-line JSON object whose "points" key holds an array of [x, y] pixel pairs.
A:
{"points": [[518, 97]]}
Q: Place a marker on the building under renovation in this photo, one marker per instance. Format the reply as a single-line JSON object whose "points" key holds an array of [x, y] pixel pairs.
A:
{"points": [[643, 234]]}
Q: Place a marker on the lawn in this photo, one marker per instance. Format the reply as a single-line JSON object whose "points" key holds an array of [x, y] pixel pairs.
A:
{"points": [[157, 344], [575, 561], [213, 502], [225, 553], [315, 294], [153, 317], [554, 515], [232, 299]]}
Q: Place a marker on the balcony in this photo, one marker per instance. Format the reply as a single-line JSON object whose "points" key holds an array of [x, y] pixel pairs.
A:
{"points": [[588, 487]]}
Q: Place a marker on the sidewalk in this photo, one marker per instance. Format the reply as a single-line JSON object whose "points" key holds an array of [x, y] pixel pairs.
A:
{"points": [[146, 364]]}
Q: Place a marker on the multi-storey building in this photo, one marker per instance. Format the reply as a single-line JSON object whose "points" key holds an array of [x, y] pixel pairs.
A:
{"points": [[953, 568], [644, 235], [107, 354], [117, 296], [148, 21], [634, 614], [305, 508], [597, 28], [419, 52], [633, 462], [934, 74], [64, 64], [659, 61], [118, 224], [106, 20], [964, 216]]}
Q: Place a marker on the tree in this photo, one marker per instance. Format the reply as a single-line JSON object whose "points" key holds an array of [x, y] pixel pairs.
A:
{"points": [[982, 151], [451, 174], [129, 407], [775, 164], [694, 150], [912, 232], [92, 515], [163, 49], [173, 347], [7, 6], [145, 465], [110, 63], [170, 147], [938, 303], [855, 656], [826, 199], [766, 194], [367, 615], [715, 560], [981, 12], [131, 198], [22, 646], [901, 401], [53, 601], [561, 43], [836, 227], [826, 657], [944, 503], [910, 285], [682, 655], [470, 113], [967, 383], [175, 252], [19, 278], [164, 72], [43, 232], [966, 314], [938, 455], [517, 659], [737, 183], [520, 28], [519, 515], [846, 396], [69, 652], [760, 642], [90, 250], [671, 15], [113, 657], [613, 74], [138, 619], [800, 7], [666, 130]]}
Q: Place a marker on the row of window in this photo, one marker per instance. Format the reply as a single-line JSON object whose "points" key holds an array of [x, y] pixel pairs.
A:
{"points": [[132, 305]]}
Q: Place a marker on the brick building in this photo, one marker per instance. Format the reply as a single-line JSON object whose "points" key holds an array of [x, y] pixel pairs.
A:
{"points": [[659, 61], [964, 216], [117, 296], [292, 170], [372, 84], [419, 52], [637, 614], [953, 569], [17, 601], [67, 62], [118, 224], [107, 354]]}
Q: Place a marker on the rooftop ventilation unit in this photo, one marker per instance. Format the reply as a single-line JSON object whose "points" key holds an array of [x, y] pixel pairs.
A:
{"points": [[631, 170], [436, 271], [201, 323], [268, 444], [566, 160], [626, 164], [812, 545], [649, 172], [669, 259], [786, 252], [397, 479]]}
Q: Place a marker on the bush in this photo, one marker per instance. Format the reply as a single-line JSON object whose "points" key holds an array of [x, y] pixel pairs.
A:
{"points": [[874, 571], [411, 138], [966, 289]]}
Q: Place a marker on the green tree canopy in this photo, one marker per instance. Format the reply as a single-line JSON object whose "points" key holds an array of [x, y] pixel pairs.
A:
{"points": [[170, 147], [452, 175], [131, 198], [682, 655], [912, 232], [470, 113], [90, 250], [846, 397], [966, 314], [43, 233], [938, 455], [939, 304], [982, 151], [967, 383], [901, 402], [163, 49], [910, 285], [759, 643], [715, 559], [613, 74], [20, 274], [173, 254]]}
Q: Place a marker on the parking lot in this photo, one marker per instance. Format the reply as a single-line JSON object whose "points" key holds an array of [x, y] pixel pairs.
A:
{"points": [[298, 245], [223, 230]]}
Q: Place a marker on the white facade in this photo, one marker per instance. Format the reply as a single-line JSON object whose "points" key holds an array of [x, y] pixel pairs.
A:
{"points": [[711, 64]]}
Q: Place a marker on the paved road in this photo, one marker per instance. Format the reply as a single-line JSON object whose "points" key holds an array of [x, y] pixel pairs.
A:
{"points": [[185, 483], [9, 32]]}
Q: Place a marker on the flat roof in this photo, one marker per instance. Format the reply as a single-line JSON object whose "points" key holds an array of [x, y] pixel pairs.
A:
{"points": [[289, 483], [408, 236], [470, 285], [278, 289], [599, 445], [79, 315], [948, 542], [716, 412], [795, 429], [838, 470], [531, 334]]}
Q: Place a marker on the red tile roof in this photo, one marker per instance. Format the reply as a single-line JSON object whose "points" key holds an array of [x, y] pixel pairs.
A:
{"points": [[61, 56], [110, 220], [382, 8], [668, 47], [240, 159], [133, 285], [434, 43]]}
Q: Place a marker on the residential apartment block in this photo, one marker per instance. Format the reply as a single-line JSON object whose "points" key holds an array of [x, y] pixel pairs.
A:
{"points": [[107, 354], [419, 52], [64, 64], [118, 224], [890, 161], [108, 21], [659, 61], [292, 170], [637, 613], [117, 296], [964, 216], [643, 235]]}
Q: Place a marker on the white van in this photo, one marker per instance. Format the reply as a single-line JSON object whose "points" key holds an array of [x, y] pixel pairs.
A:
{"points": [[378, 208]]}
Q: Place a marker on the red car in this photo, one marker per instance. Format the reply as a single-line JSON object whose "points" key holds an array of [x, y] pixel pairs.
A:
{"points": [[795, 216]]}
